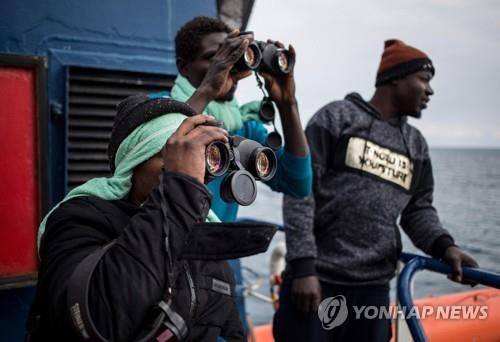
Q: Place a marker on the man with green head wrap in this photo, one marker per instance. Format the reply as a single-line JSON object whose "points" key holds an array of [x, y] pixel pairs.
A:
{"points": [[122, 243]]}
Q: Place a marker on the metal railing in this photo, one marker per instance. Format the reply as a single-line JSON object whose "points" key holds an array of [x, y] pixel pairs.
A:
{"points": [[415, 263]]}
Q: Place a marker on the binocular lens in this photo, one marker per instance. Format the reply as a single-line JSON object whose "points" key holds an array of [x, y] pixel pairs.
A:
{"points": [[283, 62], [249, 57], [217, 159], [214, 158], [263, 165]]}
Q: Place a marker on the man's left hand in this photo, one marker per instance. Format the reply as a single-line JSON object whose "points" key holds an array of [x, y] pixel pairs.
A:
{"points": [[456, 258], [281, 88]]}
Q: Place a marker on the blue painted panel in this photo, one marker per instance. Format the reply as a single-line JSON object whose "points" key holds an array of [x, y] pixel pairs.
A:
{"points": [[33, 26], [114, 34]]}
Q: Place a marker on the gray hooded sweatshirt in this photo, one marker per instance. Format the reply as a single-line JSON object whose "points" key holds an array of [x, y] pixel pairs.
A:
{"points": [[370, 176]]}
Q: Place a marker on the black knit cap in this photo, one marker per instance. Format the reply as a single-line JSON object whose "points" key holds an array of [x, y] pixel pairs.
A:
{"points": [[136, 110]]}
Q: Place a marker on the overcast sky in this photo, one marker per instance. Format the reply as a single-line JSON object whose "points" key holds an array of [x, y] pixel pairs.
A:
{"points": [[339, 44]]}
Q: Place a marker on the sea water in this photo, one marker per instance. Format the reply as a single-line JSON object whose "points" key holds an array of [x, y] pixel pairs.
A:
{"points": [[467, 197]]}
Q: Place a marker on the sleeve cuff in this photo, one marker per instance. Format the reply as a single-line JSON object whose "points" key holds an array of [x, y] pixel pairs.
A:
{"points": [[440, 245], [303, 267], [296, 167]]}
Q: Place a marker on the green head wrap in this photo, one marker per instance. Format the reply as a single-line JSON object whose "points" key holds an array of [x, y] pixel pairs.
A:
{"points": [[143, 143]]}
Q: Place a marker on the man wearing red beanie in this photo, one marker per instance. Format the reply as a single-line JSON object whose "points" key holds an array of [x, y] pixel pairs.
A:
{"points": [[372, 174]]}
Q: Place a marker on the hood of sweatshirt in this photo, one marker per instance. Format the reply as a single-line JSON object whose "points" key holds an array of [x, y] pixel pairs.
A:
{"points": [[367, 107]]}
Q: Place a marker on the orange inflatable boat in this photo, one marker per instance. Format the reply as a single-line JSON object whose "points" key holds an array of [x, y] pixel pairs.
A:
{"points": [[484, 328]]}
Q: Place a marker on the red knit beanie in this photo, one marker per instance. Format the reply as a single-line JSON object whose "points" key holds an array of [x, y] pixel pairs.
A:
{"points": [[399, 60]]}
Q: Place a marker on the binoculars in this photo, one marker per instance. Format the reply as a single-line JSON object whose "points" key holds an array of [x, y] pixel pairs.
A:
{"points": [[243, 161], [262, 56]]}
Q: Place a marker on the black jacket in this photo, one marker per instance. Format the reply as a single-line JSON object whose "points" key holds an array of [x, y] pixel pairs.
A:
{"points": [[131, 278]]}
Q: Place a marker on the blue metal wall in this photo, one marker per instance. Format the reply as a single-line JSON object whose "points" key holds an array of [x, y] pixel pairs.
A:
{"points": [[112, 34], [32, 26]]}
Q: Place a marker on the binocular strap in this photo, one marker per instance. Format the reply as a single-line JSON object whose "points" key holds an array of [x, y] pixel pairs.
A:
{"points": [[78, 293], [77, 298]]}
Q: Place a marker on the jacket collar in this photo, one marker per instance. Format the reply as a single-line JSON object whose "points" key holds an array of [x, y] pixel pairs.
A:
{"points": [[368, 108]]}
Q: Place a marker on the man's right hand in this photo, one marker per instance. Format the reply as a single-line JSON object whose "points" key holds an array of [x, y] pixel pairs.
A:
{"points": [[306, 293], [220, 78], [184, 151]]}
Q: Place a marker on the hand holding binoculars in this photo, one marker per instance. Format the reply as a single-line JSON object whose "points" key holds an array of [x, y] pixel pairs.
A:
{"points": [[268, 57]]}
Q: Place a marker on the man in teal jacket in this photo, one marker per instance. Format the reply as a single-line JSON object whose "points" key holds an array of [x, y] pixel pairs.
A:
{"points": [[206, 51]]}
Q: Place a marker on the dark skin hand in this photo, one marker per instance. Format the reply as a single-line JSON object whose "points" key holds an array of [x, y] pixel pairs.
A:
{"points": [[219, 79], [184, 151], [281, 89], [456, 258], [306, 293]]}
